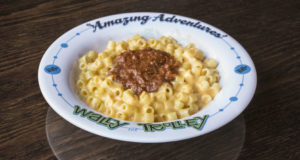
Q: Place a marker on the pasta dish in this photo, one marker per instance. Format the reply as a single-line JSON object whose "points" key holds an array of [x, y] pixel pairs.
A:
{"points": [[147, 80]]}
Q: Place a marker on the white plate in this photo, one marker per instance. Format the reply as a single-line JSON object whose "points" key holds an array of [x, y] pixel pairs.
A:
{"points": [[237, 71]]}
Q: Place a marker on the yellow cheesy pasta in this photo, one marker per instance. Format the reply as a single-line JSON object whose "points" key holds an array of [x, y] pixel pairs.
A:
{"points": [[195, 85]]}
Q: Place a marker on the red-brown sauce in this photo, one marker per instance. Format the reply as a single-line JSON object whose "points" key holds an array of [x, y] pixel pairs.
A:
{"points": [[144, 70]]}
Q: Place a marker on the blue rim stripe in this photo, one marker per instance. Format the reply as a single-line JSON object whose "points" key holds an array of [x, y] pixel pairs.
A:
{"points": [[211, 115]]}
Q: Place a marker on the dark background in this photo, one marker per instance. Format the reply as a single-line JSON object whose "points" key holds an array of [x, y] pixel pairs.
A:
{"points": [[269, 31]]}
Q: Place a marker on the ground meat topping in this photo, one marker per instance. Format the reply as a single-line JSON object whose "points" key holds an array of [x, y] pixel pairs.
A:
{"points": [[144, 70]]}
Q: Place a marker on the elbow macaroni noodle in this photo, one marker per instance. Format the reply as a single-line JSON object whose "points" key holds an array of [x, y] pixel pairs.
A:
{"points": [[195, 85]]}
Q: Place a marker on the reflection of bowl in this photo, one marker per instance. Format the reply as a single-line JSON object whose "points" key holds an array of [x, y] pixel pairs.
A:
{"points": [[237, 72]]}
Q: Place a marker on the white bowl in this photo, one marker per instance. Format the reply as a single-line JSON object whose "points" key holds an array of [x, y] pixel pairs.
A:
{"points": [[237, 72]]}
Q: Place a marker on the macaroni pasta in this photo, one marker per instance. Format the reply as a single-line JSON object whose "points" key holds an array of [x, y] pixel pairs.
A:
{"points": [[195, 85]]}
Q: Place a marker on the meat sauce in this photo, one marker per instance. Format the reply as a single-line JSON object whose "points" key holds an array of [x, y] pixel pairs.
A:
{"points": [[144, 70]]}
